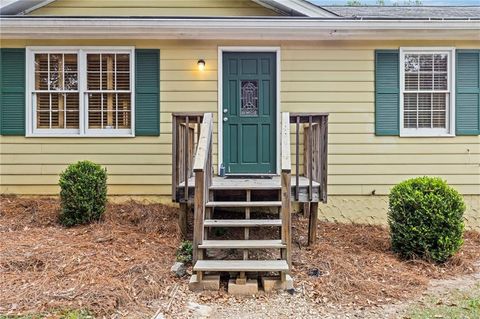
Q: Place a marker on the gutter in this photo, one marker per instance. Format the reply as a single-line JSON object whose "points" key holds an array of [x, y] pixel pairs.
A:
{"points": [[283, 28]]}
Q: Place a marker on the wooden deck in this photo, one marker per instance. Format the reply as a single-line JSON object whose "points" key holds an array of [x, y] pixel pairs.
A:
{"points": [[258, 184]]}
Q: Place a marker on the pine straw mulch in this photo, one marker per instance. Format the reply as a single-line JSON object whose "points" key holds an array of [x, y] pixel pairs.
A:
{"points": [[356, 266], [120, 266]]}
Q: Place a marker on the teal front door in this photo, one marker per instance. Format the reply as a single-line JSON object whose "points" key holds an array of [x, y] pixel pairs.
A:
{"points": [[249, 113]]}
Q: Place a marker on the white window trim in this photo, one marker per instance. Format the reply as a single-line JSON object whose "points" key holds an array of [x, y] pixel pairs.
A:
{"points": [[83, 130], [429, 132]]}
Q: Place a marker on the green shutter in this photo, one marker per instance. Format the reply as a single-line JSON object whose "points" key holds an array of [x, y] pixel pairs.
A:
{"points": [[387, 92], [467, 105], [12, 91], [147, 92]]}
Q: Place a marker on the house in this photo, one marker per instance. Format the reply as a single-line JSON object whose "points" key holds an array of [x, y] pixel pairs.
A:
{"points": [[127, 84]]}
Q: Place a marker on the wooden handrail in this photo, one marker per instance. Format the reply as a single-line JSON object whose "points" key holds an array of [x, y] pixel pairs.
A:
{"points": [[184, 141], [204, 143], [203, 180], [315, 130], [286, 161], [286, 176]]}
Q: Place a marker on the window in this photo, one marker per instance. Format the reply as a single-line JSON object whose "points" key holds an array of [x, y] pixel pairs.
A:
{"points": [[80, 92], [426, 97]]}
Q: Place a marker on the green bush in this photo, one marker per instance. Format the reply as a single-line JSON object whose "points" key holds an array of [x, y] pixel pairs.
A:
{"points": [[83, 193], [185, 252], [426, 219]]}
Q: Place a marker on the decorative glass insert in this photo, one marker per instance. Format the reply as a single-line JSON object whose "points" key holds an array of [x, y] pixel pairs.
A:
{"points": [[249, 98]]}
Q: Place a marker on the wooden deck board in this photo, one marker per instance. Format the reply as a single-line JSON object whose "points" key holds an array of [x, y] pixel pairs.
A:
{"points": [[242, 222], [255, 184], [249, 183], [238, 244], [241, 265]]}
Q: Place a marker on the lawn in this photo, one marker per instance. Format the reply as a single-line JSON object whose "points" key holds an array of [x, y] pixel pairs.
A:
{"points": [[455, 304]]}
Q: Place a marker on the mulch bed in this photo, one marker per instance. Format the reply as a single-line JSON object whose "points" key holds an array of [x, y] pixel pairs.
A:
{"points": [[121, 264]]}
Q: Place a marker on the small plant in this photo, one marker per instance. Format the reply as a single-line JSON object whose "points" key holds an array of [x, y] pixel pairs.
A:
{"points": [[426, 219], [83, 193], [185, 252]]}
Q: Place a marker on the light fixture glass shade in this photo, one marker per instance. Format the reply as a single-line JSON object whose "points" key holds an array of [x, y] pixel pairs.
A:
{"points": [[201, 65]]}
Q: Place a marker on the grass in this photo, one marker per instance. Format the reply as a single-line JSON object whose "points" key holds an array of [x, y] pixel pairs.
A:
{"points": [[57, 314], [457, 305]]}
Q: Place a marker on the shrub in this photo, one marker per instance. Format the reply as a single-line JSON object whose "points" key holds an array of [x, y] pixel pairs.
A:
{"points": [[185, 252], [426, 219], [83, 193]]}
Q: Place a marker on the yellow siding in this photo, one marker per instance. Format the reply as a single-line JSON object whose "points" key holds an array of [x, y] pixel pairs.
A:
{"points": [[334, 77], [154, 8]]}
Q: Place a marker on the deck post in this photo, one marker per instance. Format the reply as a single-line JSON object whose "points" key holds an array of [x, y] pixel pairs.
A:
{"points": [[198, 214], [312, 224], [182, 219]]}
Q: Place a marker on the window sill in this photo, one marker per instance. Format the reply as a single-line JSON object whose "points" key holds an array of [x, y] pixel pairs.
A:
{"points": [[426, 135], [80, 136]]}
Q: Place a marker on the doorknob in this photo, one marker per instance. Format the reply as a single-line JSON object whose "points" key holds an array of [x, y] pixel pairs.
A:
{"points": [[225, 111], [225, 119]]}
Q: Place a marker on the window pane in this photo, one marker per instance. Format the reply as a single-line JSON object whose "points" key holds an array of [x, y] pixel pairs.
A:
{"points": [[123, 63], [424, 101], [410, 119], [123, 81], [411, 81], [439, 110], [41, 62], [124, 111], [93, 71], [43, 110], [70, 64], [41, 81], [411, 63], [108, 71], [410, 101], [426, 63], [72, 110], [424, 119], [441, 81], [426, 81], [441, 62], [71, 81]]}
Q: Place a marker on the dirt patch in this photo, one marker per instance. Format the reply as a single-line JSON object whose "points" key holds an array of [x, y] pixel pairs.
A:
{"points": [[120, 266]]}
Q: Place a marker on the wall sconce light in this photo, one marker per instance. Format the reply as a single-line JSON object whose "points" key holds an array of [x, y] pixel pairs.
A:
{"points": [[201, 65]]}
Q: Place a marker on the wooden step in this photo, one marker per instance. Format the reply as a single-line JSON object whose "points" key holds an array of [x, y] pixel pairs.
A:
{"points": [[241, 265], [245, 187], [245, 204], [242, 222], [246, 244]]}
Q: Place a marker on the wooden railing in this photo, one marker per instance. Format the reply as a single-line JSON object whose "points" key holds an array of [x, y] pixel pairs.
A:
{"points": [[315, 151], [286, 175], [203, 170], [185, 135]]}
